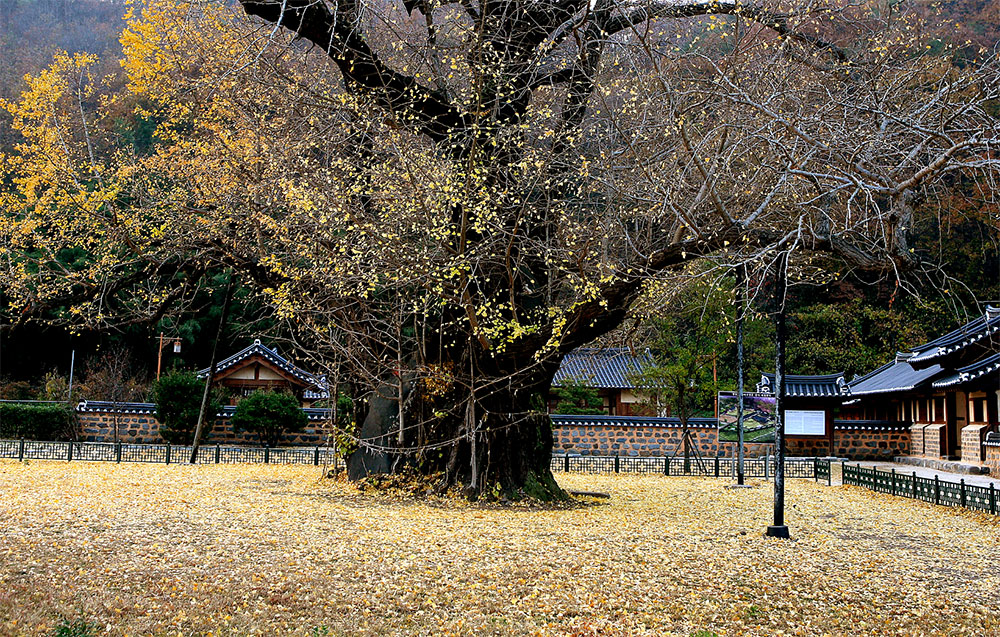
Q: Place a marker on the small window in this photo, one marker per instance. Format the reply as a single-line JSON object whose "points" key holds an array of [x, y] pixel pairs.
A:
{"points": [[805, 423]]}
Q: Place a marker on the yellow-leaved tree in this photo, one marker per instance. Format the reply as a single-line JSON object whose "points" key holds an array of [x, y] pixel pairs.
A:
{"points": [[444, 198]]}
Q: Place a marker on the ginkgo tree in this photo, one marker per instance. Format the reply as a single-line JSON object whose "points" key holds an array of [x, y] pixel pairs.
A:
{"points": [[447, 197]]}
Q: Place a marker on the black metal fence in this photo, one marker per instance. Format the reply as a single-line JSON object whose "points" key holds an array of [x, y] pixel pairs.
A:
{"points": [[934, 490], [815, 468], [164, 454], [715, 467]]}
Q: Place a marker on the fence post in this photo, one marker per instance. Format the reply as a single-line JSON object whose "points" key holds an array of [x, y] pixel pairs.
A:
{"points": [[566, 463], [961, 492], [815, 469], [716, 466], [915, 485], [20, 451], [766, 457], [267, 455], [829, 473], [993, 500], [937, 490], [118, 451], [316, 456], [617, 464], [69, 451], [666, 465], [168, 453], [893, 487], [218, 453]]}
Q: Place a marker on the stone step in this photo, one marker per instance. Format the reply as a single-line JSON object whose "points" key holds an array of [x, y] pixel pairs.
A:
{"points": [[944, 465]]}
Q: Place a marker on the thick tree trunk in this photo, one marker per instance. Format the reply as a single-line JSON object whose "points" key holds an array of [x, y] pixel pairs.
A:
{"points": [[494, 440]]}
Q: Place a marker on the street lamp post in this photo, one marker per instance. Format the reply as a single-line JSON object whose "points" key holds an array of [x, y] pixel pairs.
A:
{"points": [[778, 529], [159, 353]]}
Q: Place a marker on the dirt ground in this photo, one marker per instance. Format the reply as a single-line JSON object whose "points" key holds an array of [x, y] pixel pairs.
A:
{"points": [[138, 549]]}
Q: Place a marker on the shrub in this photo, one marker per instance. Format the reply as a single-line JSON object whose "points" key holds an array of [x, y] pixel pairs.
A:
{"points": [[269, 415], [576, 398], [75, 628], [178, 399], [36, 422]]}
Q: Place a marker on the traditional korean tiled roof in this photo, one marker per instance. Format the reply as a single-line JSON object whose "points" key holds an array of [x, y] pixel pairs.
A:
{"points": [[972, 332], [609, 368], [971, 372], [568, 420], [897, 375], [268, 354], [925, 365], [806, 385], [106, 406]]}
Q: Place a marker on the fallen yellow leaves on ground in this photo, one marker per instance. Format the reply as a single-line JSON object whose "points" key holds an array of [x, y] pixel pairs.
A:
{"points": [[271, 550]]}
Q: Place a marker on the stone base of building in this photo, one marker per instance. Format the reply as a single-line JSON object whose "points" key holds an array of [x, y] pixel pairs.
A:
{"points": [[991, 457], [950, 466]]}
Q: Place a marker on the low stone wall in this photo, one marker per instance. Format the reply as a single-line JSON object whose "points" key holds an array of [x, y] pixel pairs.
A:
{"points": [[140, 428], [811, 447], [859, 441], [645, 441], [652, 437]]}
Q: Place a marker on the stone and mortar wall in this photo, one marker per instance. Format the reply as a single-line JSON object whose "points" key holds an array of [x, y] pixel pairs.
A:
{"points": [[97, 426], [871, 443], [917, 441], [933, 441], [645, 441], [809, 447], [602, 440], [991, 457], [972, 443], [588, 440]]}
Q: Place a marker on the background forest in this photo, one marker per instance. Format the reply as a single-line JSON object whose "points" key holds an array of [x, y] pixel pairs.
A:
{"points": [[839, 320]]}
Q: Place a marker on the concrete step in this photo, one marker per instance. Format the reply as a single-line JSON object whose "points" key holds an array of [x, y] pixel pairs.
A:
{"points": [[944, 465]]}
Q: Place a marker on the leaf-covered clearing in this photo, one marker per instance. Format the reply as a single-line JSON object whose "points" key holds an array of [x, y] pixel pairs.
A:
{"points": [[264, 550]]}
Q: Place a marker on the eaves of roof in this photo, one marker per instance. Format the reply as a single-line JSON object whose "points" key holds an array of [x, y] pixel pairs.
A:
{"points": [[971, 372]]}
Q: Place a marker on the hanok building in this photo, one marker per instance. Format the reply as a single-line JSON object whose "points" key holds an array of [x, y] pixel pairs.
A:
{"points": [[613, 372], [259, 367], [948, 390]]}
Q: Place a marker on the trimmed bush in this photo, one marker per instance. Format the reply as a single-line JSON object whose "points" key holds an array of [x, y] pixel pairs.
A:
{"points": [[36, 422], [178, 398], [269, 415]]}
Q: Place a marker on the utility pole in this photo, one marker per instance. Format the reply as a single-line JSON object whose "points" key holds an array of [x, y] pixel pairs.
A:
{"points": [[778, 529]]}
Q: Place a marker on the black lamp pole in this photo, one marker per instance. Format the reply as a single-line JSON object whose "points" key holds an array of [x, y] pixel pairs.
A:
{"points": [[740, 308], [778, 529]]}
